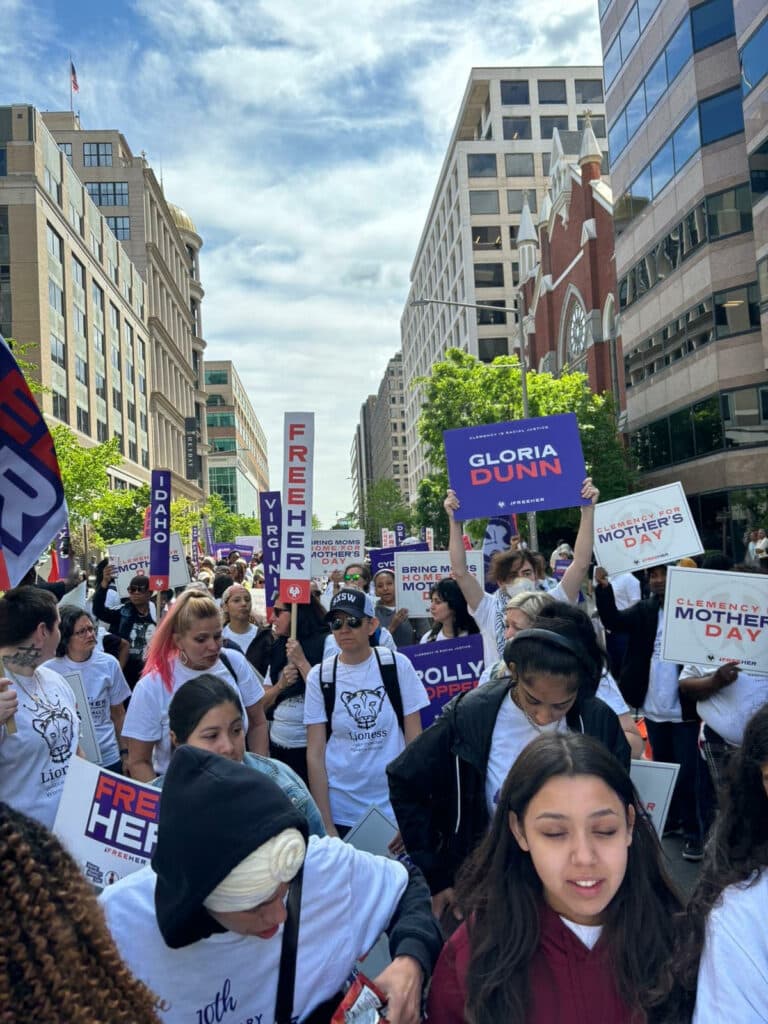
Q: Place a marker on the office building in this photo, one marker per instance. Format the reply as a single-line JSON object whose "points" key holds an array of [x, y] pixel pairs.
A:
{"points": [[71, 294], [388, 448], [164, 246], [361, 456], [677, 99], [497, 155], [238, 467]]}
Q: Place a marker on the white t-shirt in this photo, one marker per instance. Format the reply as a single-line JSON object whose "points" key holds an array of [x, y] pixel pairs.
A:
{"points": [[34, 760], [485, 617], [365, 734], [729, 710], [243, 640], [287, 727], [733, 971], [105, 686], [587, 934], [348, 898], [662, 701], [427, 638], [147, 715], [626, 590], [512, 732]]}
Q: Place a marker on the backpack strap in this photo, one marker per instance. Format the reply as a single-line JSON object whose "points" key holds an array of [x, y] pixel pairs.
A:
{"points": [[388, 672], [328, 690], [228, 666], [286, 981]]}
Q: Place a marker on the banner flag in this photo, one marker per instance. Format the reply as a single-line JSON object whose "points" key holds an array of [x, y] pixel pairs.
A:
{"points": [[159, 529], [271, 515], [296, 537], [445, 669]]}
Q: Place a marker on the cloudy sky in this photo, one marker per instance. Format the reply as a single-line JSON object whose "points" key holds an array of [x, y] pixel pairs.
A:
{"points": [[304, 139]]}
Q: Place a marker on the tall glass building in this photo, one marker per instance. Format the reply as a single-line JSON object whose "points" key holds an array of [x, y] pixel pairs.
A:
{"points": [[685, 97]]}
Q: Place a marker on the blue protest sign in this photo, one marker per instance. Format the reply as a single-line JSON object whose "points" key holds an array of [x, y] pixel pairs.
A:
{"points": [[271, 515], [399, 533], [522, 466], [384, 558], [196, 547], [159, 529], [446, 667]]}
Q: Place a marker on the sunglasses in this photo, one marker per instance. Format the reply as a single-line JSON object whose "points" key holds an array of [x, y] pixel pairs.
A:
{"points": [[351, 620], [352, 576], [279, 611], [137, 590]]}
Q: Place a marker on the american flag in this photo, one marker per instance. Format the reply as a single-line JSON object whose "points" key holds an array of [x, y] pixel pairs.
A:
{"points": [[73, 77]]}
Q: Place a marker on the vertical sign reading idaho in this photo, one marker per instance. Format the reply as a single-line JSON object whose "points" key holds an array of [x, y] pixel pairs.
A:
{"points": [[296, 548], [159, 529]]}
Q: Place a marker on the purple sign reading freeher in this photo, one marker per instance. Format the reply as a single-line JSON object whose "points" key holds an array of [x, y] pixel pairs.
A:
{"points": [[522, 466], [446, 668], [384, 558], [159, 529], [271, 514]]}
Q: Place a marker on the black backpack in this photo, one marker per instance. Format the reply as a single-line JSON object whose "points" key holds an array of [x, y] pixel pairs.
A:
{"points": [[388, 677]]}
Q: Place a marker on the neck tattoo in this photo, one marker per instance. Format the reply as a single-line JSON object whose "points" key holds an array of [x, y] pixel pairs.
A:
{"points": [[25, 657]]}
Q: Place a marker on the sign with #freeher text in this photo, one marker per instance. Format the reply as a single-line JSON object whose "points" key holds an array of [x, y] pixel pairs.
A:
{"points": [[107, 822], [521, 466], [645, 529], [296, 547], [446, 668], [416, 572], [711, 618]]}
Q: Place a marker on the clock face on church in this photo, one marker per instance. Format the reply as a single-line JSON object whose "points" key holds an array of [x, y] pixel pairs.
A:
{"points": [[576, 331]]}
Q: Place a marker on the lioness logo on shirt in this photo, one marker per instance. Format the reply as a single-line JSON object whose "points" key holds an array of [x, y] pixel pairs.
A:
{"points": [[364, 706]]}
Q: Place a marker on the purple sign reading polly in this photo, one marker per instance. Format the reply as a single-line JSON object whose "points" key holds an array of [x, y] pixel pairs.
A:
{"points": [[522, 466], [159, 529], [446, 668], [384, 558], [271, 514]]}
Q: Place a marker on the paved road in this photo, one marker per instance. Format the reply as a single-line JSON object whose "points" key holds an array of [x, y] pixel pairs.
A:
{"points": [[684, 872]]}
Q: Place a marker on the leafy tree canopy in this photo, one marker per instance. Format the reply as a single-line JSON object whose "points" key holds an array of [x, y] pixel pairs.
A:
{"points": [[384, 506]]}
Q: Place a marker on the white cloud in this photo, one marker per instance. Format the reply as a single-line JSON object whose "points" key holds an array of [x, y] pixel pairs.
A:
{"points": [[304, 140]]}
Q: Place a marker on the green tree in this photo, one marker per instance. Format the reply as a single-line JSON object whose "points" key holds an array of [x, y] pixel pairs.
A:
{"points": [[31, 371], [461, 391], [121, 515], [384, 506], [84, 472], [428, 509]]}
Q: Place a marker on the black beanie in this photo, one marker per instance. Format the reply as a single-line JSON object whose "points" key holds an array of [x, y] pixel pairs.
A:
{"points": [[213, 813]]}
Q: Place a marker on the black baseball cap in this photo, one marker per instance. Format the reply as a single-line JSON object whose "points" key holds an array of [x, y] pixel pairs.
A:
{"points": [[350, 601]]}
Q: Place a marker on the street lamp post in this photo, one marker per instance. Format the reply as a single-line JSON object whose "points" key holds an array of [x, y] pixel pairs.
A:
{"points": [[533, 535]]}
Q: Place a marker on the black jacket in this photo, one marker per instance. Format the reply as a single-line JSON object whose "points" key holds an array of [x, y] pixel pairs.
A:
{"points": [[437, 784], [640, 623]]}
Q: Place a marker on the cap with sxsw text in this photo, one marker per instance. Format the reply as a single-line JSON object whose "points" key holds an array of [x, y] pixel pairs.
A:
{"points": [[350, 601]]}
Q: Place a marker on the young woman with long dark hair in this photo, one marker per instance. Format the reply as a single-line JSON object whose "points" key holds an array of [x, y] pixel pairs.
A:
{"points": [[450, 615], [568, 909], [724, 953]]}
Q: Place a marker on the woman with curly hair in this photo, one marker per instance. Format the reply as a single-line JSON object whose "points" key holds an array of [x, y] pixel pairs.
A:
{"points": [[58, 961], [450, 616], [187, 643], [568, 908], [724, 953]]}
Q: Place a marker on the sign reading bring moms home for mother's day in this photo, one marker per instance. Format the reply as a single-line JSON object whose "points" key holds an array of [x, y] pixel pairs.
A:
{"points": [[416, 572], [712, 617], [645, 529], [522, 466]]}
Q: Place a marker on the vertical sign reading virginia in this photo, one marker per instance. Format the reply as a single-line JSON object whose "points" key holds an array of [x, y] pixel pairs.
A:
{"points": [[296, 547], [159, 529], [271, 514]]}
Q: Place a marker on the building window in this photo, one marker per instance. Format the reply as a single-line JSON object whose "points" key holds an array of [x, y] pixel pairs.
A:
{"points": [[58, 351], [729, 212], [486, 201], [486, 237], [598, 124], [224, 444], [679, 50], [481, 165], [60, 410], [100, 383], [108, 193], [552, 91], [55, 297], [145, 458], [214, 400], [758, 172], [489, 349], [711, 22], [97, 154], [120, 227], [589, 90], [54, 243], [102, 433], [547, 125], [216, 377], [515, 94], [98, 340], [721, 116], [79, 322], [498, 315], [78, 272], [519, 165], [514, 128], [737, 311], [3, 162], [489, 275], [754, 58], [66, 149], [133, 451], [117, 399], [220, 419], [81, 370], [515, 198], [83, 420]]}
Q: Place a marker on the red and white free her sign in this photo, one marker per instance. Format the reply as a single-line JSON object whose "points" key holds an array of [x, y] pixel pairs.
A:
{"points": [[296, 552]]}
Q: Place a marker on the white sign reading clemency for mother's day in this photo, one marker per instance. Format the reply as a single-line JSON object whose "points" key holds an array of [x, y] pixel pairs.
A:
{"points": [[644, 529], [711, 618]]}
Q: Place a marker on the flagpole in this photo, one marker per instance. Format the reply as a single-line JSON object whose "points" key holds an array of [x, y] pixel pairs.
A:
{"points": [[71, 101]]}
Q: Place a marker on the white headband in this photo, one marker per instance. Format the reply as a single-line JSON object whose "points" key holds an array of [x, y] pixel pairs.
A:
{"points": [[257, 878]]}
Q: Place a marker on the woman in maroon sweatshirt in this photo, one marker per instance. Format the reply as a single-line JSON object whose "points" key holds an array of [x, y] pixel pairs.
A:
{"points": [[568, 909]]}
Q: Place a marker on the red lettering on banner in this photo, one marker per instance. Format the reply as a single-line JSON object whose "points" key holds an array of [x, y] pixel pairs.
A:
{"points": [[297, 453], [505, 474], [296, 496], [295, 430], [297, 474]]}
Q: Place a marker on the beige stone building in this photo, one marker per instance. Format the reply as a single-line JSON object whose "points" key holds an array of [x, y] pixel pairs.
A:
{"points": [[163, 244], [690, 220], [71, 293], [498, 154], [389, 459]]}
